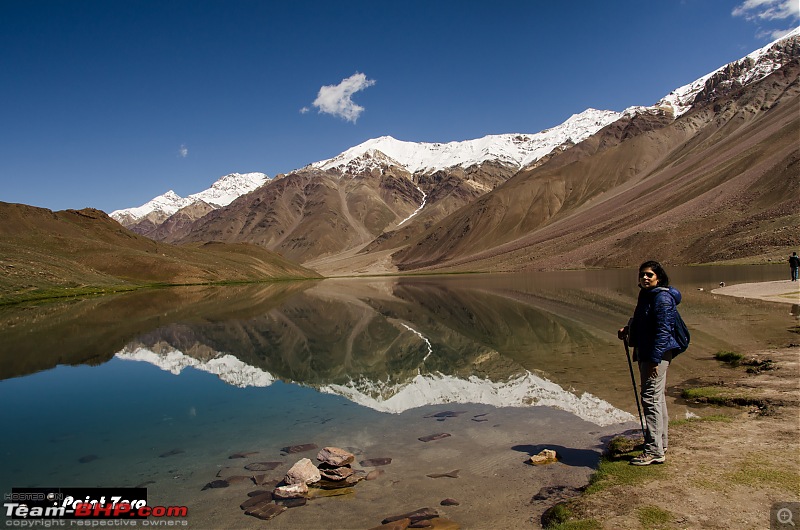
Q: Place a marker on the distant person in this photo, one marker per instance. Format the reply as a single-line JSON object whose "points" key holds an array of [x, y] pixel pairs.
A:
{"points": [[794, 265], [650, 334]]}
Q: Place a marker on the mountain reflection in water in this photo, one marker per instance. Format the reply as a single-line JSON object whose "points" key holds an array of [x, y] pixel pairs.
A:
{"points": [[391, 344]]}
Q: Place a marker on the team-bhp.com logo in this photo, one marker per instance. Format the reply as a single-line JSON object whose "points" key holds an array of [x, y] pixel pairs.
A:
{"points": [[84, 503]]}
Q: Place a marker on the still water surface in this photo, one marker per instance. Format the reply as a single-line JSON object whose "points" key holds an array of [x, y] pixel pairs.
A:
{"points": [[160, 387]]}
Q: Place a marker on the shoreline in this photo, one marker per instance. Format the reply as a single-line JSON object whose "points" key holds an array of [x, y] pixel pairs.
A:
{"points": [[728, 467], [781, 291]]}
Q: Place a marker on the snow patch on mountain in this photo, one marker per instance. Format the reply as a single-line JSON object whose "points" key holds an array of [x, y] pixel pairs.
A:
{"points": [[517, 150], [752, 68], [223, 192]]}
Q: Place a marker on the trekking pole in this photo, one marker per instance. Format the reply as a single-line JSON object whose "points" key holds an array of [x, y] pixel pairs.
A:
{"points": [[635, 391]]}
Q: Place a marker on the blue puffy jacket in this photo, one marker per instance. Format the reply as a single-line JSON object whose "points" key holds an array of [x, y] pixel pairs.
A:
{"points": [[652, 323]]}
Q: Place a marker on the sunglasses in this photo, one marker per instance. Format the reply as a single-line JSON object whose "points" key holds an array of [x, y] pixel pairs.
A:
{"points": [[647, 275]]}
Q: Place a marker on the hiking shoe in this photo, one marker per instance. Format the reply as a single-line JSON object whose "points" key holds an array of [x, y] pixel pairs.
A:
{"points": [[645, 459]]}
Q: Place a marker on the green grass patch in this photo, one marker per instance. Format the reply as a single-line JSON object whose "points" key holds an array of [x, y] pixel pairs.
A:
{"points": [[653, 516], [43, 295], [618, 471], [719, 395], [561, 517], [729, 357], [761, 471]]}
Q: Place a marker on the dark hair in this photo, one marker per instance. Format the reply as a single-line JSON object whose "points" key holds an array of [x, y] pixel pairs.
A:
{"points": [[661, 274]]}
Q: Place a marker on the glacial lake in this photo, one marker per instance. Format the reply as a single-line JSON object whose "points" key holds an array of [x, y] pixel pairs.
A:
{"points": [[160, 388]]}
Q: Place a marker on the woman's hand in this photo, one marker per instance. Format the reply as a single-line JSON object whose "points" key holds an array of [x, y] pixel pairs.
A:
{"points": [[652, 370], [623, 334]]}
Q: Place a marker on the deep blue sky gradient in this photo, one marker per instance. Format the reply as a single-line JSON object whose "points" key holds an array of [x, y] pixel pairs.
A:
{"points": [[98, 96]]}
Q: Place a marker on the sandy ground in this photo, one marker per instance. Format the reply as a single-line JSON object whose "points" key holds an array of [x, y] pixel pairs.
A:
{"points": [[784, 291]]}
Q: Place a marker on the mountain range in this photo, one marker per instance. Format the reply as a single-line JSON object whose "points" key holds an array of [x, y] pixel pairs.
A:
{"points": [[709, 173]]}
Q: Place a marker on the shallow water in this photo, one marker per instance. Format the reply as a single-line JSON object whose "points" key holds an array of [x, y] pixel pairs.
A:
{"points": [[161, 387]]}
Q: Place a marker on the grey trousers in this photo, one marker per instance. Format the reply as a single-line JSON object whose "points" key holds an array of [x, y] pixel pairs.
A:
{"points": [[654, 405]]}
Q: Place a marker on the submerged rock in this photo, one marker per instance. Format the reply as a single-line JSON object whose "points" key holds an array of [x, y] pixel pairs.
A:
{"points": [[401, 524], [375, 462], [170, 453], [88, 458], [292, 449], [335, 456], [375, 473], [449, 474], [262, 466], [243, 454], [433, 437], [265, 510], [256, 499], [550, 493], [235, 479], [216, 484], [415, 516]]}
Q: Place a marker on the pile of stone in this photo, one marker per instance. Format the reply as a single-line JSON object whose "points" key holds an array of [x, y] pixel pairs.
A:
{"points": [[335, 469], [334, 472]]}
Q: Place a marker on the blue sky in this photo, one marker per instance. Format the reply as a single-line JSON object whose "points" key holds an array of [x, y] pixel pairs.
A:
{"points": [[107, 104]]}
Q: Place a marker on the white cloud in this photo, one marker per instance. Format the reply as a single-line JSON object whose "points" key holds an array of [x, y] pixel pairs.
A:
{"points": [[765, 10], [183, 152], [337, 99], [304, 110]]}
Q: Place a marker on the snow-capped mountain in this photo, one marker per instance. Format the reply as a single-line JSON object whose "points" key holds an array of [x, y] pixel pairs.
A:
{"points": [[223, 192], [516, 150], [749, 69]]}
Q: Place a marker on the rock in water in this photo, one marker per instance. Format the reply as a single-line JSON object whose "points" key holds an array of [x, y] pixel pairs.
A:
{"points": [[265, 510], [243, 454], [292, 491], [401, 524], [433, 437], [88, 458], [303, 471], [216, 484], [256, 499], [262, 466], [449, 474], [449, 502], [335, 456], [375, 473], [292, 449], [375, 462], [170, 453], [547, 456], [335, 472], [415, 516]]}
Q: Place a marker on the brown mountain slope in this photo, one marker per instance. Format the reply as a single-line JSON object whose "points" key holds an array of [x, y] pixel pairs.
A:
{"points": [[41, 249], [311, 213], [720, 183]]}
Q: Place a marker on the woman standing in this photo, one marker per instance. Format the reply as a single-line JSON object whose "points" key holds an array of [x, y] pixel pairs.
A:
{"points": [[650, 332]]}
